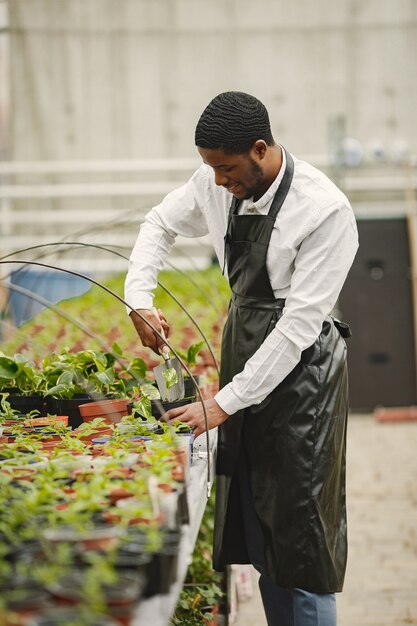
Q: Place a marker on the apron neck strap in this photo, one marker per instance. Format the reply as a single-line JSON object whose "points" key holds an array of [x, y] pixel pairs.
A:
{"points": [[284, 186], [277, 202]]}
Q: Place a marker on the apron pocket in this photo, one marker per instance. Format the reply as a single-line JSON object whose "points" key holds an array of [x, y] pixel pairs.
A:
{"points": [[258, 408]]}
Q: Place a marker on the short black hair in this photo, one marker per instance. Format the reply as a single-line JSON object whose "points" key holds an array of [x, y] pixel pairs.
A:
{"points": [[233, 121]]}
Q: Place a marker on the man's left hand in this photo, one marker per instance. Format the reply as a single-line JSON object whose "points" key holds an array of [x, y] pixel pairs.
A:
{"points": [[193, 415]]}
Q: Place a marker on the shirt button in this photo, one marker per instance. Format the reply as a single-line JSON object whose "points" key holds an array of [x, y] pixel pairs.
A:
{"points": [[251, 209]]}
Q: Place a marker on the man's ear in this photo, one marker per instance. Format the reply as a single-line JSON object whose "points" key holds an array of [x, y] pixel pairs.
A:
{"points": [[259, 149]]}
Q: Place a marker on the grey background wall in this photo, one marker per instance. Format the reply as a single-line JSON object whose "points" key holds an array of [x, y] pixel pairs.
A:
{"points": [[128, 78]]}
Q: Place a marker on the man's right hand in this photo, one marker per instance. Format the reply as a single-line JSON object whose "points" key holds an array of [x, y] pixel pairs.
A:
{"points": [[148, 338]]}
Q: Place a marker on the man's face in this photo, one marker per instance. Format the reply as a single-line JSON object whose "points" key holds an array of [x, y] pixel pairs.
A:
{"points": [[240, 174]]}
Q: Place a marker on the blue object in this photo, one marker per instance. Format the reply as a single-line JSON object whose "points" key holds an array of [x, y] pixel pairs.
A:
{"points": [[51, 285], [99, 440]]}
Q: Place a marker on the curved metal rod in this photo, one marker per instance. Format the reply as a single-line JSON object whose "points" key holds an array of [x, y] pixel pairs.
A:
{"points": [[106, 249], [155, 331], [83, 327], [122, 221]]}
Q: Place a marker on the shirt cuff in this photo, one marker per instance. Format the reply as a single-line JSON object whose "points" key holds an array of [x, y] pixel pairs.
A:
{"points": [[228, 400], [142, 301]]}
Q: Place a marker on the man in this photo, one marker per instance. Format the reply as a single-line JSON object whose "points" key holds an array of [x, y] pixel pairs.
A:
{"points": [[287, 238]]}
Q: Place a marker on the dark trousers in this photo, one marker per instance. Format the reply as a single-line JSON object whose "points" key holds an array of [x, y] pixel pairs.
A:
{"points": [[283, 607]]}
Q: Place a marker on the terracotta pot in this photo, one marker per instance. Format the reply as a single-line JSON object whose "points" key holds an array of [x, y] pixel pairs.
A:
{"points": [[110, 410], [49, 440], [214, 610], [119, 493], [23, 474], [100, 432], [46, 421], [50, 444], [103, 537]]}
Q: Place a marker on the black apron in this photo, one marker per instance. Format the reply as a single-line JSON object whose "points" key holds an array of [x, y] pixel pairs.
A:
{"points": [[294, 441]]}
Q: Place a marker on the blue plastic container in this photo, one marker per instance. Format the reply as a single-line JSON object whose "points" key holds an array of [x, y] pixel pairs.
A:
{"points": [[52, 285]]}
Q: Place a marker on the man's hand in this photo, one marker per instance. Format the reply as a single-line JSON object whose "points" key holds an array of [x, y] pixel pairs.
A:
{"points": [[193, 415], [148, 338]]}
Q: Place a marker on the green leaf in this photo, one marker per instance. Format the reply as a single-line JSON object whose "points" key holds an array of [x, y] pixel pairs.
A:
{"points": [[8, 368], [192, 352], [143, 407], [107, 377], [66, 378], [116, 349], [150, 391], [61, 391], [191, 356], [170, 376], [137, 368]]}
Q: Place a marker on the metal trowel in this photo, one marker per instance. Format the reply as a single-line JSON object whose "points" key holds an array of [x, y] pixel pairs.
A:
{"points": [[176, 391]]}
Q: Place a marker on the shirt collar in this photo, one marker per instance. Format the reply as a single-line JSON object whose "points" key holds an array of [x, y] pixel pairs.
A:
{"points": [[271, 191]]}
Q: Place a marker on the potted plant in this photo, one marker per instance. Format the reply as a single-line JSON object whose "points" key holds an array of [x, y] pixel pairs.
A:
{"points": [[190, 358], [150, 405], [69, 616], [101, 585], [49, 420], [20, 377], [98, 427], [198, 604], [76, 378]]}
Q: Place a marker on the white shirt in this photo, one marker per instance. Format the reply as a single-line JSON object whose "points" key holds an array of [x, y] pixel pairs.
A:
{"points": [[312, 247]]}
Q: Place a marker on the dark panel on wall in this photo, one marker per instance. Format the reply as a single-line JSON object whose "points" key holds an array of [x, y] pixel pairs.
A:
{"points": [[377, 302]]}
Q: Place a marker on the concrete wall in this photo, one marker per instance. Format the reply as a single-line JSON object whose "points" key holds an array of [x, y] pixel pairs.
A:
{"points": [[129, 78]]}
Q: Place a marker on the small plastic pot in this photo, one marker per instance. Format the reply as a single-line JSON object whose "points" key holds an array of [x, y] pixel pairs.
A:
{"points": [[103, 537], [159, 407], [25, 404], [23, 595], [162, 569], [57, 616], [189, 386]]}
